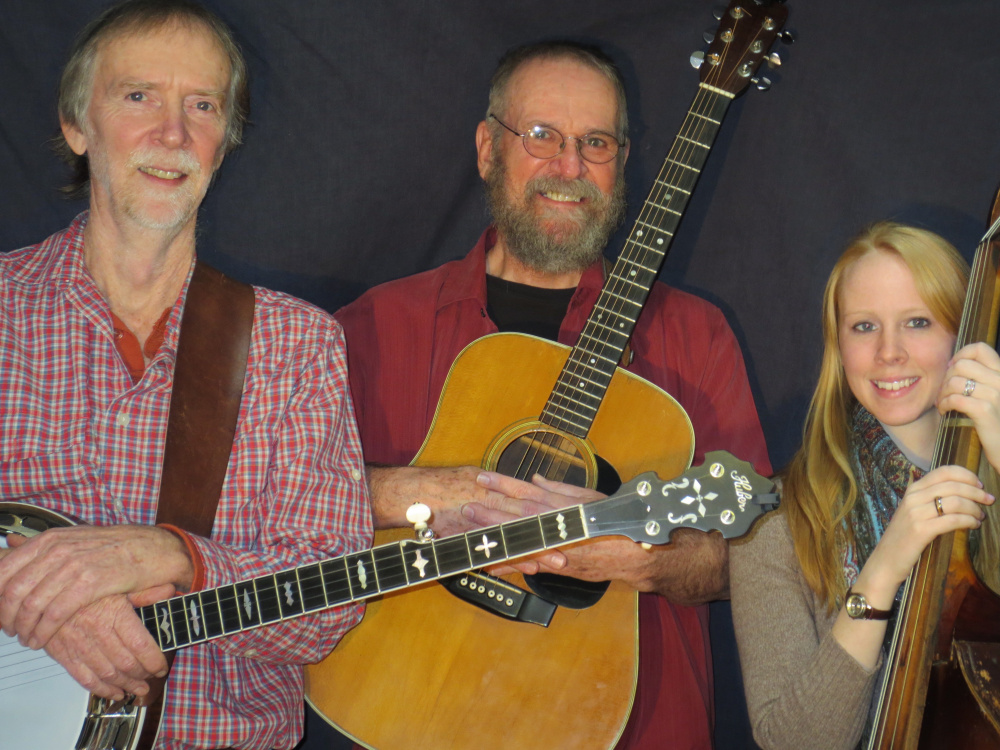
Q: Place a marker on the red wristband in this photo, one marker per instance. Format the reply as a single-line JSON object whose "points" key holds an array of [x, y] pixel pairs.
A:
{"points": [[198, 581]]}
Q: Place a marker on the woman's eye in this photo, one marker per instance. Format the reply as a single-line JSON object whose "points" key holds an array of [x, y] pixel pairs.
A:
{"points": [[919, 323], [863, 327]]}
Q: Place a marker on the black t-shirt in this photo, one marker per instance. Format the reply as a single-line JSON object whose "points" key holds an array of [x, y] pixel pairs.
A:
{"points": [[519, 308]]}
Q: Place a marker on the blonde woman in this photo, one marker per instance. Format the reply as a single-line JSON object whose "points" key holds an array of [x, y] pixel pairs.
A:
{"points": [[814, 587]]}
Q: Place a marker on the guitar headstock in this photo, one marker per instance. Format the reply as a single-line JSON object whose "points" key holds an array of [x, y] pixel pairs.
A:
{"points": [[742, 42], [723, 494]]}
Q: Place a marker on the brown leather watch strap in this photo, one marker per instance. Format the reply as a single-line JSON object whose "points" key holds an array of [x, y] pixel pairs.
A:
{"points": [[859, 608]]}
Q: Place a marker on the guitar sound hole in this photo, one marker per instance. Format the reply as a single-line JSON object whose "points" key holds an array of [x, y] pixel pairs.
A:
{"points": [[556, 457], [545, 453]]}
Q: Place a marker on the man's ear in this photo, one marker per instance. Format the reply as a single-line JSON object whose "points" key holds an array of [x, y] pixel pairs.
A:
{"points": [[484, 149], [74, 137], [625, 150]]}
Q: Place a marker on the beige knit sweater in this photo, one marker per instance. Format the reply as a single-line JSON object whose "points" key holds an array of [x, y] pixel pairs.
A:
{"points": [[803, 690]]}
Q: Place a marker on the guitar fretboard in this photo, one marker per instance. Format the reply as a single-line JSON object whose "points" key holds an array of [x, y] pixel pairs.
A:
{"points": [[202, 616], [581, 386]]}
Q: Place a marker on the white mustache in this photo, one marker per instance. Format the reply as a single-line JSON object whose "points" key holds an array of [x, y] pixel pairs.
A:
{"points": [[172, 161]]}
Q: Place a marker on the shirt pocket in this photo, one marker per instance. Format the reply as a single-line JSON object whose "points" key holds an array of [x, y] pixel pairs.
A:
{"points": [[57, 476]]}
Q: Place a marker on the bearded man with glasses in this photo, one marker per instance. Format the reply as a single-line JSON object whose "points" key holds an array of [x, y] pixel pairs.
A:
{"points": [[552, 153]]}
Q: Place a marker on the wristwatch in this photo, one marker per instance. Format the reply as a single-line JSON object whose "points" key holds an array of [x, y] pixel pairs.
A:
{"points": [[858, 608]]}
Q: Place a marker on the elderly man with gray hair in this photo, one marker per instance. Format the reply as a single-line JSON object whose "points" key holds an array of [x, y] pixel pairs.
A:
{"points": [[153, 97]]}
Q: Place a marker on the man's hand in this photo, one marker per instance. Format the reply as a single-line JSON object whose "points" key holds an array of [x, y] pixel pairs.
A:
{"points": [[45, 581], [443, 490], [107, 649], [692, 569]]}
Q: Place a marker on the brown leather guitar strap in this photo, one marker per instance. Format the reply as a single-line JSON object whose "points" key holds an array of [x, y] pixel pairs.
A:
{"points": [[208, 385], [212, 350]]}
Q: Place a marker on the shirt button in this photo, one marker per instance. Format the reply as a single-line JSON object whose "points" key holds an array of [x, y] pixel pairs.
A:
{"points": [[250, 653], [356, 475], [122, 420], [119, 506]]}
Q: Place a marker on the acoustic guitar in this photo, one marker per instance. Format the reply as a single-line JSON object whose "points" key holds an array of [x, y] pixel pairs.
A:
{"points": [[428, 669], [42, 708]]}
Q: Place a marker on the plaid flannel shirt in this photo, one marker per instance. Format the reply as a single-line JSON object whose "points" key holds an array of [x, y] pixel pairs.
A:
{"points": [[78, 437]]}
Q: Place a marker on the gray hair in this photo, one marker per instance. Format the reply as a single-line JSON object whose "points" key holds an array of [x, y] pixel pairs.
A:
{"points": [[586, 54], [135, 17]]}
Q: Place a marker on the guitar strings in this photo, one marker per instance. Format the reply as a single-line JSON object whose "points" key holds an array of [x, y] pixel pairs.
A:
{"points": [[612, 300], [619, 292], [541, 455]]}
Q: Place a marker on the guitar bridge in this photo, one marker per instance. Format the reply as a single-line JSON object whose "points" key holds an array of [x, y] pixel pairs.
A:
{"points": [[501, 598]]}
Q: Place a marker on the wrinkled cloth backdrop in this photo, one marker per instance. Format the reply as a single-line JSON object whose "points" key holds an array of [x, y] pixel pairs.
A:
{"points": [[359, 163]]}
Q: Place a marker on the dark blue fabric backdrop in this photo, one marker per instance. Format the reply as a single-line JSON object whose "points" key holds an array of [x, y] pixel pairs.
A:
{"points": [[359, 165]]}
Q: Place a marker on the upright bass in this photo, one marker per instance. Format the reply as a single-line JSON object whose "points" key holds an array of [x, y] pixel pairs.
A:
{"points": [[942, 684]]}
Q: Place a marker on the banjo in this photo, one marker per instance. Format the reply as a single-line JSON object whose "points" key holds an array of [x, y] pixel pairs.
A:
{"points": [[723, 494]]}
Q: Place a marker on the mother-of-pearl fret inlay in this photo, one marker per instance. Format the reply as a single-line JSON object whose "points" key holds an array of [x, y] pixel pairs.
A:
{"points": [[247, 604], [195, 620], [165, 626], [289, 599], [562, 525], [420, 563], [362, 574], [486, 546]]}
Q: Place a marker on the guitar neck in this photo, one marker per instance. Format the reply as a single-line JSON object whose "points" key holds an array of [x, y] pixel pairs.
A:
{"points": [[584, 380], [205, 615]]}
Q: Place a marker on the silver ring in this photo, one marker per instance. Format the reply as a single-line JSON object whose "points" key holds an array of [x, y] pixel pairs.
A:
{"points": [[939, 506], [970, 386]]}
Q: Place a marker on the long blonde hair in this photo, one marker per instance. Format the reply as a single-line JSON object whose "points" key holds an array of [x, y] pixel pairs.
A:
{"points": [[819, 488]]}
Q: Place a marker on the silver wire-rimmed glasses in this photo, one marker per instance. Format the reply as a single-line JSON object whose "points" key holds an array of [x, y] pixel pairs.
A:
{"points": [[545, 143]]}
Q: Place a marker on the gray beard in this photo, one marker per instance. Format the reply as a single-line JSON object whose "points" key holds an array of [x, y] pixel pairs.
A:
{"points": [[576, 243]]}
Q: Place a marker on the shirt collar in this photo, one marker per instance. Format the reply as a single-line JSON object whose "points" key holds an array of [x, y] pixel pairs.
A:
{"points": [[72, 276], [466, 279]]}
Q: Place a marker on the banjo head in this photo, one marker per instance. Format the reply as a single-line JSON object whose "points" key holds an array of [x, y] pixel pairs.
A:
{"points": [[41, 706]]}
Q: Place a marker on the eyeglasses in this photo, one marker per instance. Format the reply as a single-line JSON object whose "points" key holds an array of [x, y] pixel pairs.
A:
{"points": [[546, 143]]}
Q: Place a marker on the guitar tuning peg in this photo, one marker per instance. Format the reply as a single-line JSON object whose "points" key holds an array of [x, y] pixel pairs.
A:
{"points": [[762, 84], [788, 37], [697, 59], [708, 35], [718, 11], [773, 60]]}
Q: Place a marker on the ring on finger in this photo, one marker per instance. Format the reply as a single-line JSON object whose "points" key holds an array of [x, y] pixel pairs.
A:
{"points": [[970, 386], [939, 506]]}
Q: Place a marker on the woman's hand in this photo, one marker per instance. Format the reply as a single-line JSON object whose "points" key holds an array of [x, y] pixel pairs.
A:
{"points": [[972, 386], [946, 499]]}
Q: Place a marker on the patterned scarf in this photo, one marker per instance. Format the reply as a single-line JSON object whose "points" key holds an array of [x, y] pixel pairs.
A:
{"points": [[883, 474]]}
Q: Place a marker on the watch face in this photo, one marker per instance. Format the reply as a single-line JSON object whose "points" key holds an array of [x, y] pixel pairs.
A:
{"points": [[856, 606]]}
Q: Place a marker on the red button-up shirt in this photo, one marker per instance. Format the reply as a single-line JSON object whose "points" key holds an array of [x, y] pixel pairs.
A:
{"points": [[402, 338]]}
